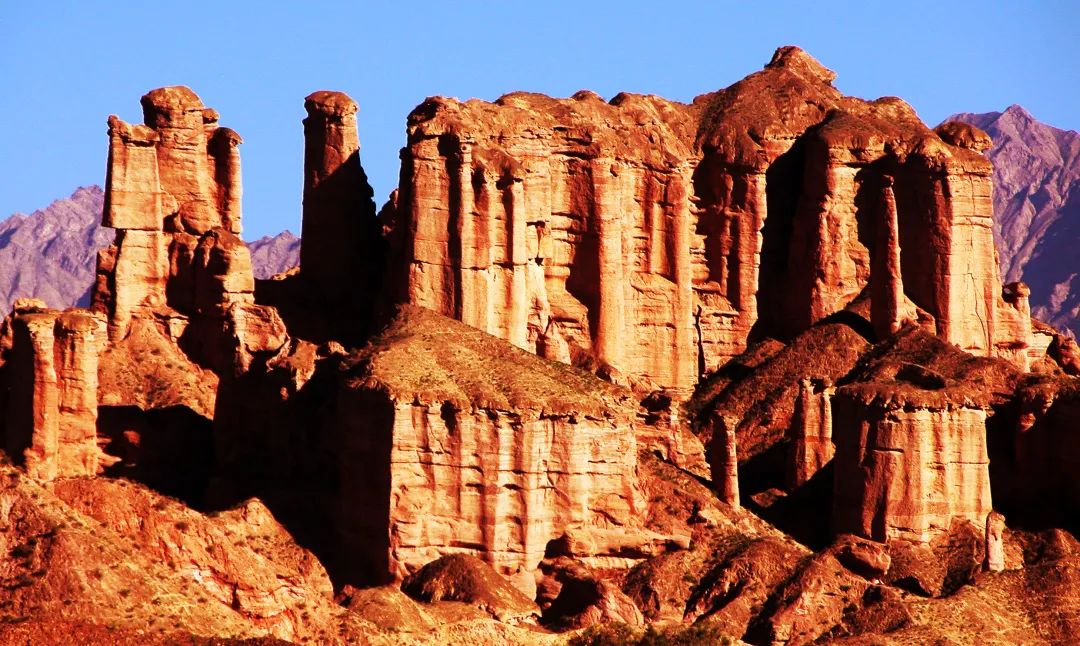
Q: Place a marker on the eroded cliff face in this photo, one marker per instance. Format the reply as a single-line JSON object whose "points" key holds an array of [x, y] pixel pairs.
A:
{"points": [[837, 251], [484, 449], [910, 430], [654, 236], [907, 474]]}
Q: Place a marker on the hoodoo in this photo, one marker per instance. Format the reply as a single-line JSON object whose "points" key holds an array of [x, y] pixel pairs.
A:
{"points": [[659, 238]]}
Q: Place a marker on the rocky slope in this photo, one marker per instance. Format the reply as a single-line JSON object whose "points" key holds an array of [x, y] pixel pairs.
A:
{"points": [[601, 372], [1037, 208], [50, 254]]}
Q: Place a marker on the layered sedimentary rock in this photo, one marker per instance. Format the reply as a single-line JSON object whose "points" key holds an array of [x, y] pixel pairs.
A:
{"points": [[1036, 205], [171, 183], [471, 445], [50, 373], [919, 468], [911, 440], [652, 236]]}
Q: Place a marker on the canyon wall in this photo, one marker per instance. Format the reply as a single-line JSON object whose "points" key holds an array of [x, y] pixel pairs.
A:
{"points": [[655, 238], [906, 471]]}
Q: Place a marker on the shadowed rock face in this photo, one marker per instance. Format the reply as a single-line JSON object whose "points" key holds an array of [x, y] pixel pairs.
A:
{"points": [[657, 237], [1036, 208]]}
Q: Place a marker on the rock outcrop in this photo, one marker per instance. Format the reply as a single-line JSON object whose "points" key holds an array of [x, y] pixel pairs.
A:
{"points": [[172, 192], [483, 449], [340, 238], [911, 440], [816, 270], [49, 369], [654, 236]]}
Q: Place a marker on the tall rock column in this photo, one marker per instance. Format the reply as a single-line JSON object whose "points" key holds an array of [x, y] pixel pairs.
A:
{"points": [[886, 281], [51, 375], [724, 458], [338, 240], [169, 184], [811, 432], [608, 335]]}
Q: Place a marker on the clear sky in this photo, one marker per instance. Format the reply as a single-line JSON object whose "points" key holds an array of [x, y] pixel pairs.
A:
{"points": [[65, 66]]}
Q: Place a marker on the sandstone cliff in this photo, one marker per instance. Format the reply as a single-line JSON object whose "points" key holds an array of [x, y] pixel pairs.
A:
{"points": [[656, 238], [815, 272], [1036, 207], [489, 450]]}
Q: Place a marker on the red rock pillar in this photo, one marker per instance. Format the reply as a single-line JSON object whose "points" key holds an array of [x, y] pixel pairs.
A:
{"points": [[517, 251], [226, 157], [52, 379], [78, 336], [182, 122], [995, 545], [725, 460], [886, 280], [473, 287], [608, 336], [337, 198], [169, 182], [811, 432], [685, 350]]}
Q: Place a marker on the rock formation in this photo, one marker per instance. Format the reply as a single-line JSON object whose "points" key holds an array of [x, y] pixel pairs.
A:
{"points": [[1036, 205], [484, 449], [340, 234], [170, 184], [654, 236], [920, 468], [795, 285], [50, 373], [911, 440], [811, 443]]}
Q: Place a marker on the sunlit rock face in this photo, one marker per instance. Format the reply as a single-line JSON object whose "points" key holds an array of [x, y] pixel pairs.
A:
{"points": [[49, 370], [657, 237], [172, 192]]}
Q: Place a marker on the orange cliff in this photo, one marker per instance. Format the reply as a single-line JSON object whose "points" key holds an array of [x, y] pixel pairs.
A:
{"points": [[658, 237]]}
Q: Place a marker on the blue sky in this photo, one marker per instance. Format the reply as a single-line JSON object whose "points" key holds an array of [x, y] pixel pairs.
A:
{"points": [[65, 66]]}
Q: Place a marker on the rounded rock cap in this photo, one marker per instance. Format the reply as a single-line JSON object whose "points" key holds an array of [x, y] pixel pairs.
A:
{"points": [[176, 98], [328, 102]]}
